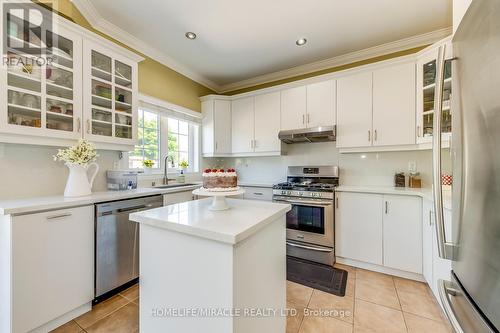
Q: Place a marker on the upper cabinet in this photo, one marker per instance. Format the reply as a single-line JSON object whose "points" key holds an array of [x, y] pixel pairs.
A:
{"points": [[41, 98], [321, 104], [354, 110], [216, 127], [267, 124], [426, 85], [377, 107], [293, 108], [311, 105], [78, 86], [243, 123], [110, 90]]}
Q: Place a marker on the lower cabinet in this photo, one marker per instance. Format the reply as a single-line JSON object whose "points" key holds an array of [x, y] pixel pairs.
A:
{"points": [[358, 227], [379, 229], [52, 265], [434, 267], [178, 197]]}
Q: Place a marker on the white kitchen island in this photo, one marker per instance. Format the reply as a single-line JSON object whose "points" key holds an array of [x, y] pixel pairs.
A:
{"points": [[213, 271]]}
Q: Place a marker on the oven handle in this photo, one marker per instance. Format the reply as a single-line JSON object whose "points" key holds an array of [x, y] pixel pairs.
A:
{"points": [[320, 249], [305, 203]]}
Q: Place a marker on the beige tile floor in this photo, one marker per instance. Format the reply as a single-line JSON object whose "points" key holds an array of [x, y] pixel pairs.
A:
{"points": [[374, 302]]}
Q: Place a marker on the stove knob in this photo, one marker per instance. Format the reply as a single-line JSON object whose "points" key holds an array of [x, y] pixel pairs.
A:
{"points": [[313, 194], [283, 192], [301, 193], [289, 192], [319, 194]]}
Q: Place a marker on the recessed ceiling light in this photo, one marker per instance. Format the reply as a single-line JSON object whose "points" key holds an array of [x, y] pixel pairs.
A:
{"points": [[190, 35], [301, 41]]}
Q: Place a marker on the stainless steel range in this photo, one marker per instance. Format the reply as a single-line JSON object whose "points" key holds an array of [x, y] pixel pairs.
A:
{"points": [[310, 224]]}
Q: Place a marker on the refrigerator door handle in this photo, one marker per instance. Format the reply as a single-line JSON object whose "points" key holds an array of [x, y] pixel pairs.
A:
{"points": [[443, 295], [444, 249]]}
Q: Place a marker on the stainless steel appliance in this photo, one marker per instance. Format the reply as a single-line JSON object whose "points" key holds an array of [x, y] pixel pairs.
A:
{"points": [[121, 180], [117, 243], [315, 134], [311, 222], [472, 298]]}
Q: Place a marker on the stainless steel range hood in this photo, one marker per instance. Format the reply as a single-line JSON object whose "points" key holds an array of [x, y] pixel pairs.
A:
{"points": [[310, 135]]}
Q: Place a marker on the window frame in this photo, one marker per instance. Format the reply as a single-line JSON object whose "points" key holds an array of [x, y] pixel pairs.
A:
{"points": [[193, 149], [158, 166]]}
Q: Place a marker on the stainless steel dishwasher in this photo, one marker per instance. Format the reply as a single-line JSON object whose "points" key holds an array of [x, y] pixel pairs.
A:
{"points": [[117, 243]]}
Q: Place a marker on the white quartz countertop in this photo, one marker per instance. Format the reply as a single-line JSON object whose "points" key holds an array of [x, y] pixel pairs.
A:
{"points": [[31, 205], [425, 193], [231, 226]]}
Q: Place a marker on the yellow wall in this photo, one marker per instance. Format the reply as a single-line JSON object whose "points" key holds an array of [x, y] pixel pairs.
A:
{"points": [[155, 79], [326, 71]]}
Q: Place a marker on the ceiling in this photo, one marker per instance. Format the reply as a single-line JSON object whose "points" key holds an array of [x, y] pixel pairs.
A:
{"points": [[240, 40]]}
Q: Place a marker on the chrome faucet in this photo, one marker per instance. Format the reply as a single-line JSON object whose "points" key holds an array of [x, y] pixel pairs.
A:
{"points": [[165, 170]]}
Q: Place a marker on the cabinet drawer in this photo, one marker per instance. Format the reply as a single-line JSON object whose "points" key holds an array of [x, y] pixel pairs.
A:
{"points": [[258, 193]]}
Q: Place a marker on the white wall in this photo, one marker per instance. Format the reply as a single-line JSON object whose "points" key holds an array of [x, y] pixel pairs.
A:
{"points": [[355, 169], [30, 171], [459, 9]]}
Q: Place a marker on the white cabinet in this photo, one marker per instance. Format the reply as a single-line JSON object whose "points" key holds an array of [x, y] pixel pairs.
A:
{"points": [[110, 96], [402, 233], [435, 268], [216, 127], [52, 265], [243, 124], [358, 227], [41, 100], [354, 110], [84, 87], [379, 229], [377, 107], [255, 125], [293, 108], [177, 197], [394, 105], [267, 123], [321, 104]]}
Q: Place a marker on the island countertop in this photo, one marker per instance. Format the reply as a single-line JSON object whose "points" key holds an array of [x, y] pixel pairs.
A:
{"points": [[244, 218]]}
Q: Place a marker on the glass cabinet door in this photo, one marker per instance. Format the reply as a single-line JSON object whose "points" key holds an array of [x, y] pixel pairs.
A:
{"points": [[426, 104], [40, 88], [111, 117]]}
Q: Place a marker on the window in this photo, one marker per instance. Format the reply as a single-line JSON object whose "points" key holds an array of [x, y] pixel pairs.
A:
{"points": [[148, 145], [164, 133]]}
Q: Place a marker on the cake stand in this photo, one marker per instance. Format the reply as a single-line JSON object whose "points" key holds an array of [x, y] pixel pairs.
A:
{"points": [[219, 198]]}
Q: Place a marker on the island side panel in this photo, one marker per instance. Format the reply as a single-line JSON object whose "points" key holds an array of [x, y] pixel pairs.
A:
{"points": [[5, 273], [260, 278], [179, 271]]}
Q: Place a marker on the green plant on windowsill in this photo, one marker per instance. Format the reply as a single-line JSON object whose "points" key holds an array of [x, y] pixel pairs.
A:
{"points": [[183, 164], [148, 165]]}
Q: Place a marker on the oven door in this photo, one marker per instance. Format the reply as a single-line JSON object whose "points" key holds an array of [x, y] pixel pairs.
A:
{"points": [[309, 220]]}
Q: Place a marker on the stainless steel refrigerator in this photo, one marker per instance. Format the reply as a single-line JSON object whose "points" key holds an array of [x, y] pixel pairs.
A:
{"points": [[472, 298]]}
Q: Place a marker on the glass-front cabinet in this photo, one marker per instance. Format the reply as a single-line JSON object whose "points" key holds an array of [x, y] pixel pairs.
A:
{"points": [[426, 83], [42, 87], [110, 96]]}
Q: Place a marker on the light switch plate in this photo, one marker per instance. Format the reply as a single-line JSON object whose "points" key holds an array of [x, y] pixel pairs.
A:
{"points": [[412, 166]]}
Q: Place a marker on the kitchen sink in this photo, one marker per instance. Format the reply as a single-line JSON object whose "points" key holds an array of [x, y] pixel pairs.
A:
{"points": [[174, 185]]}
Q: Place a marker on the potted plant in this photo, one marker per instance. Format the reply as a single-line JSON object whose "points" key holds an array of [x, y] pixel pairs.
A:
{"points": [[78, 159], [183, 165], [148, 165]]}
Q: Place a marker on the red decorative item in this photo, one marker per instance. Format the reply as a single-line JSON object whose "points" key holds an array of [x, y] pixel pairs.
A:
{"points": [[214, 170], [446, 180], [221, 170], [207, 170]]}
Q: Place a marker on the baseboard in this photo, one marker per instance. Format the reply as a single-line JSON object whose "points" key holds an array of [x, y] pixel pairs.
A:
{"points": [[51, 325], [381, 269]]}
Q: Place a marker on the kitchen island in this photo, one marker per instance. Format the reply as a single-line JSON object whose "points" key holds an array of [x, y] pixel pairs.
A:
{"points": [[213, 271]]}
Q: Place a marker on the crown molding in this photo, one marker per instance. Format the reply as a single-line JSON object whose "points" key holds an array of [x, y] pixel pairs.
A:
{"points": [[99, 23], [348, 58]]}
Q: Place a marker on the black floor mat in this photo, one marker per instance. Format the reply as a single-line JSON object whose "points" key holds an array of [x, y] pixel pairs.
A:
{"points": [[318, 276]]}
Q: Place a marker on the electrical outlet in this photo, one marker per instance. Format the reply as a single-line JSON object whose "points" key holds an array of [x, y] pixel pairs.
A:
{"points": [[412, 166]]}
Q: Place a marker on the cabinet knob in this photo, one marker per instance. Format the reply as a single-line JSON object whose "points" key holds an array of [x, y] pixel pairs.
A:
{"points": [[369, 136]]}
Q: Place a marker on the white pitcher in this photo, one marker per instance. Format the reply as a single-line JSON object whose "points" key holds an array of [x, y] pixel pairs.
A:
{"points": [[78, 183]]}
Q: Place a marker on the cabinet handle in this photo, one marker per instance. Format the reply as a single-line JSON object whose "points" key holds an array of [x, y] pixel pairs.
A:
{"points": [[216, 145], [375, 135], [59, 216], [78, 124], [386, 207], [369, 136], [255, 143], [308, 118], [303, 119], [88, 126], [337, 202], [418, 131], [258, 193]]}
